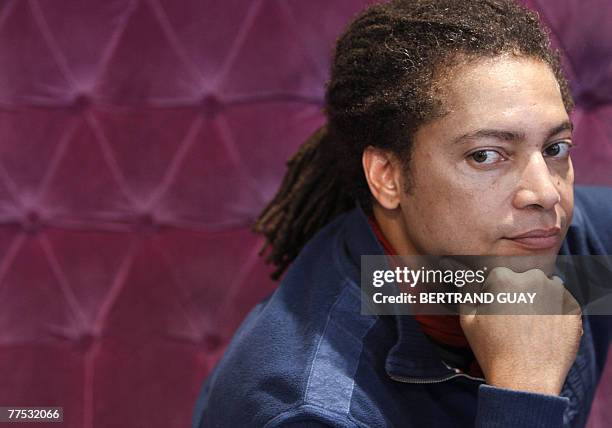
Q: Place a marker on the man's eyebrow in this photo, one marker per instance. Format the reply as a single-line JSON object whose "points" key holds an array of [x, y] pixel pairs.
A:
{"points": [[565, 126], [509, 135]]}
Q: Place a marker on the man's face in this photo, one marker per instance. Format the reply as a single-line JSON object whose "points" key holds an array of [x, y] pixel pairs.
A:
{"points": [[495, 168]]}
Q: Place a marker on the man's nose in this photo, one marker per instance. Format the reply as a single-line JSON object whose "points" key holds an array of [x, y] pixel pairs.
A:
{"points": [[536, 185]]}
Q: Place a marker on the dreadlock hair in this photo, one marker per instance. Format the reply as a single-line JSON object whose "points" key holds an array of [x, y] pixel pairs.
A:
{"points": [[385, 70]]}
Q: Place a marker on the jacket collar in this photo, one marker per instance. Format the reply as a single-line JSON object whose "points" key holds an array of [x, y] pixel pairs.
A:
{"points": [[413, 356]]}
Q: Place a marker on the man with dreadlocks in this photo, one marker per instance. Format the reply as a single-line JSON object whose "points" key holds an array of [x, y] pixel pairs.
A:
{"points": [[447, 133]]}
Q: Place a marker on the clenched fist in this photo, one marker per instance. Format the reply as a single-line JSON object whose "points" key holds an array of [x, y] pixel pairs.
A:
{"points": [[529, 352]]}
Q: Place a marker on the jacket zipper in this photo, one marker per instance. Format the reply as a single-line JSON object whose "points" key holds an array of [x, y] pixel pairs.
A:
{"points": [[458, 373]]}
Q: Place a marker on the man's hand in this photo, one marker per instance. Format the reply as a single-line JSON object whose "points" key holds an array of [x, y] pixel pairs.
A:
{"points": [[530, 352]]}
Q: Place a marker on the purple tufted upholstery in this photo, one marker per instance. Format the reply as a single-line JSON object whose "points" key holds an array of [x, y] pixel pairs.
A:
{"points": [[138, 140]]}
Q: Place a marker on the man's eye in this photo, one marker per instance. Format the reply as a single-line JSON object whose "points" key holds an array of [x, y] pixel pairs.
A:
{"points": [[486, 157], [558, 150]]}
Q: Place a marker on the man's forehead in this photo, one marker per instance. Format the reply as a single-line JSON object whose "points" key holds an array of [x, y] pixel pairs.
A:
{"points": [[511, 95], [499, 80]]}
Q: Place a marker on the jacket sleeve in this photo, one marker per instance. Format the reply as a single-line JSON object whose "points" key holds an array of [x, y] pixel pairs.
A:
{"points": [[310, 416], [591, 228], [501, 408], [591, 233]]}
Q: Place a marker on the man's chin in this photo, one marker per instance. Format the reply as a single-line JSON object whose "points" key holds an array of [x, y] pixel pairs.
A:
{"points": [[521, 258]]}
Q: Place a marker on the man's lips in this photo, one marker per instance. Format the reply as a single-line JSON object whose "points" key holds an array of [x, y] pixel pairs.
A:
{"points": [[538, 239]]}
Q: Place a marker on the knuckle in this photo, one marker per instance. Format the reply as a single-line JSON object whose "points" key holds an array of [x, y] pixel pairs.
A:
{"points": [[500, 273], [536, 274]]}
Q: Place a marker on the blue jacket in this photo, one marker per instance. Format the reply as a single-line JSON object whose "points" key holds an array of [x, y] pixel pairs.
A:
{"points": [[305, 357]]}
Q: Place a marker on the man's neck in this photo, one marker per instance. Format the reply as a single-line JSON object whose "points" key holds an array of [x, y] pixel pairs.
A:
{"points": [[393, 227]]}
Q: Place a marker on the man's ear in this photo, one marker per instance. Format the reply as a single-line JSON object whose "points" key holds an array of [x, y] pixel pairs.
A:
{"points": [[383, 175]]}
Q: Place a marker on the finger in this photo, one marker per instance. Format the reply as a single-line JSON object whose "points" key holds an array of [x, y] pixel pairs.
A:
{"points": [[468, 309], [570, 304]]}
